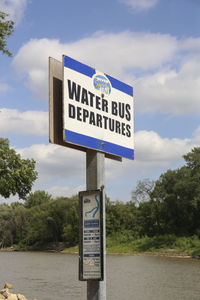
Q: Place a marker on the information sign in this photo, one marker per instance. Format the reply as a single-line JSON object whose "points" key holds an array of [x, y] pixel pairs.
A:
{"points": [[97, 110], [91, 244]]}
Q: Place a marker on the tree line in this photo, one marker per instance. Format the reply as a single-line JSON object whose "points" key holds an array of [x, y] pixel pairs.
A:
{"points": [[168, 206], [39, 222]]}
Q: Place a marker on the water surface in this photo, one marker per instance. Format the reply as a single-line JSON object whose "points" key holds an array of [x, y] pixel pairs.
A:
{"points": [[47, 276]]}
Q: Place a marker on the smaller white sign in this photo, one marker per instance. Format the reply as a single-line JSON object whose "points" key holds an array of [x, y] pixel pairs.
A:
{"points": [[91, 259]]}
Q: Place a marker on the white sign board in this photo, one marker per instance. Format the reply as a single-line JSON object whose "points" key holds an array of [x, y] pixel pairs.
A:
{"points": [[91, 252], [97, 110]]}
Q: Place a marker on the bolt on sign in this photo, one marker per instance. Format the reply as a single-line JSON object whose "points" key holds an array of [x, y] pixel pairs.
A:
{"points": [[91, 235], [97, 110]]}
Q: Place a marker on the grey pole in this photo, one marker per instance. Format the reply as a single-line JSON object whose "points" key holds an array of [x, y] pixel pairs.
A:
{"points": [[96, 290]]}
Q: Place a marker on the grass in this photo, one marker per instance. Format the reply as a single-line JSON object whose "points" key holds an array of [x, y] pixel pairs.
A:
{"points": [[71, 250], [169, 245], [166, 244]]}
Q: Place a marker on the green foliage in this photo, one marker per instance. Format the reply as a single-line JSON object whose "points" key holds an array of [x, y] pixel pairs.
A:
{"points": [[11, 224], [193, 159], [143, 191], [120, 217], [38, 231], [16, 174], [157, 242], [6, 29], [178, 195], [161, 222], [167, 216], [196, 252], [164, 244], [40, 222], [71, 250], [37, 198]]}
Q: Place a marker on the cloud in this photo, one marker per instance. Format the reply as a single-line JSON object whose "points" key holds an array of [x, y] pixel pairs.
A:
{"points": [[15, 8], [140, 5], [152, 149], [65, 168], [164, 71], [9, 200], [65, 191], [55, 162], [170, 90], [28, 122], [62, 170], [190, 44], [55, 191], [152, 153], [144, 51]]}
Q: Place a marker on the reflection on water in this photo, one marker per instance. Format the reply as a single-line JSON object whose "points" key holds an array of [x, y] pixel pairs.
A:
{"points": [[47, 276]]}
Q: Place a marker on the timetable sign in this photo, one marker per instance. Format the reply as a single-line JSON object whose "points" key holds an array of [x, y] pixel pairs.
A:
{"points": [[91, 236]]}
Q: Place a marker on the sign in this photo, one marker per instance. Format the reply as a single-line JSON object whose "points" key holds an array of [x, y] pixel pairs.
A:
{"points": [[56, 109], [97, 110], [91, 236]]}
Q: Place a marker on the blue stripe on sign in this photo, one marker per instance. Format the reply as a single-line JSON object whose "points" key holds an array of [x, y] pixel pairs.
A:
{"points": [[119, 85], [78, 66], [90, 142], [89, 71], [91, 223], [92, 255]]}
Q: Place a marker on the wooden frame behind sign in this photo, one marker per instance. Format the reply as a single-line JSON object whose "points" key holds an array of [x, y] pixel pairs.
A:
{"points": [[56, 108], [88, 233]]}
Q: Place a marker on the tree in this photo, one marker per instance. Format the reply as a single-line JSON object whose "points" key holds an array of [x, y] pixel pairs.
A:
{"points": [[193, 163], [37, 198], [178, 195], [193, 159], [6, 29], [16, 174], [143, 191]]}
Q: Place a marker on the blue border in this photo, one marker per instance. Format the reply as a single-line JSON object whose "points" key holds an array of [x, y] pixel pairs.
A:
{"points": [[89, 142], [78, 66], [88, 71], [121, 86]]}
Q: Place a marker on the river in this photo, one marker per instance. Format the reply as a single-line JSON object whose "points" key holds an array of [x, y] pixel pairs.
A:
{"points": [[49, 276]]}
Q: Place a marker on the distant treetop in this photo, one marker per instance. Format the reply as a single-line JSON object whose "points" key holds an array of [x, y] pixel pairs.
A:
{"points": [[6, 29]]}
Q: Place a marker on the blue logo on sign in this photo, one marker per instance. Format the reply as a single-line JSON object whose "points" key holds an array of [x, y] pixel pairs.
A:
{"points": [[94, 210], [102, 84]]}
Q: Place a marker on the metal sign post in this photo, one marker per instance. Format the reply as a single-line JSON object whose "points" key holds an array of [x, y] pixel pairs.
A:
{"points": [[96, 290]]}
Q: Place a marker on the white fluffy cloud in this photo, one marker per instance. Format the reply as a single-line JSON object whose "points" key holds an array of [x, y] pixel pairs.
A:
{"points": [[121, 53], [58, 191], [28, 122], [153, 154], [140, 5], [15, 8], [171, 91], [57, 168], [60, 176], [153, 149], [164, 71], [55, 162], [190, 44]]}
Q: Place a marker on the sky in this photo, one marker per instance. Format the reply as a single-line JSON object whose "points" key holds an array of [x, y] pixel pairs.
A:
{"points": [[152, 45]]}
